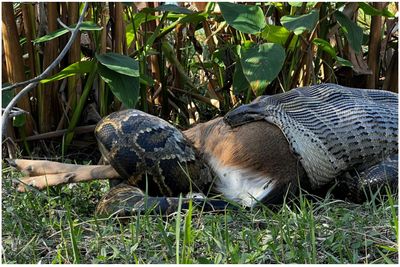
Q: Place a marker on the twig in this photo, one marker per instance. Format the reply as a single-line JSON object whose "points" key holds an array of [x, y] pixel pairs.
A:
{"points": [[46, 72], [58, 133]]}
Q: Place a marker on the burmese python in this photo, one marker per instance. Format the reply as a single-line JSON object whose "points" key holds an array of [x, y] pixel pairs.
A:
{"points": [[151, 154], [336, 132]]}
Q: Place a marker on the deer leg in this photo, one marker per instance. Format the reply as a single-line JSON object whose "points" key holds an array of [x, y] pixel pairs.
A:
{"points": [[42, 173]]}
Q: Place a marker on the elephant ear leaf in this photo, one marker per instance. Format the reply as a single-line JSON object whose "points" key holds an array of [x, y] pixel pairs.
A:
{"points": [[247, 19], [261, 64], [351, 30], [299, 24], [121, 73]]}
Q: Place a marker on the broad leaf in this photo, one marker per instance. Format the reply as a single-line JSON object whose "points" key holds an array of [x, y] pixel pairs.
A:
{"points": [[85, 26], [300, 4], [370, 10], [240, 83], [278, 35], [299, 24], [247, 19], [120, 64], [343, 62], [125, 88], [261, 64], [353, 32], [80, 67], [173, 9]]}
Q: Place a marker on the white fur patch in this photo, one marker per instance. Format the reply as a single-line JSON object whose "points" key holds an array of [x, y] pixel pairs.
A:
{"points": [[240, 185]]}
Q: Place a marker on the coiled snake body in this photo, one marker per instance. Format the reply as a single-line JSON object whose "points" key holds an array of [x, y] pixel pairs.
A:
{"points": [[333, 131]]}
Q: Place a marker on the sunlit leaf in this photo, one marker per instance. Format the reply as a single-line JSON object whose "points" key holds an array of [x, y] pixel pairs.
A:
{"points": [[85, 26], [261, 64], [300, 4], [278, 35], [244, 18], [80, 67]]}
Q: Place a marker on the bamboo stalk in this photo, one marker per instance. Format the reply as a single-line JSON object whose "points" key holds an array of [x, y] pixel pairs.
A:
{"points": [[33, 82], [13, 57], [47, 98], [103, 91], [74, 54], [374, 46]]}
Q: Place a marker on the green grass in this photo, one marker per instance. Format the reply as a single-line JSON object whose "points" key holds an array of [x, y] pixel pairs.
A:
{"points": [[58, 226]]}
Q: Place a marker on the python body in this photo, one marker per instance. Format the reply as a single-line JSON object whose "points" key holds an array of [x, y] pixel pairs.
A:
{"points": [[310, 136]]}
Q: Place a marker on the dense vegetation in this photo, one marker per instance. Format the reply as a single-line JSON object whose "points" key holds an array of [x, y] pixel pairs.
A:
{"points": [[186, 64]]}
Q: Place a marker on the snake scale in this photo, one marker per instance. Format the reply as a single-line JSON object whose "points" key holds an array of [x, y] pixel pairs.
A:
{"points": [[335, 132]]}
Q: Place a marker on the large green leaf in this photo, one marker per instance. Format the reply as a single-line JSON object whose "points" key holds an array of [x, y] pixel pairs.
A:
{"points": [[261, 64], [80, 67], [240, 83], [173, 9], [120, 64], [300, 4], [85, 26], [370, 10], [353, 32], [326, 46], [278, 35], [125, 88], [299, 24], [244, 18]]}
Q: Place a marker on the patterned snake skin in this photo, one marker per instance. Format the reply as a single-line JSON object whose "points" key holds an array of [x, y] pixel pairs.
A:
{"points": [[333, 129], [151, 154]]}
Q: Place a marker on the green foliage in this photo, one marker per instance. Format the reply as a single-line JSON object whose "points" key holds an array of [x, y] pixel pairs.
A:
{"points": [[261, 64], [370, 10], [278, 35], [353, 32], [85, 26], [244, 18], [124, 87], [167, 58], [80, 67], [299, 24], [118, 63], [173, 9]]}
